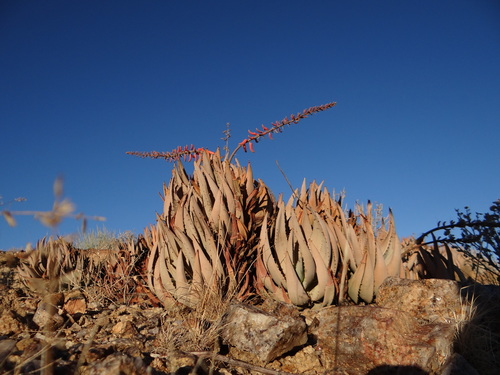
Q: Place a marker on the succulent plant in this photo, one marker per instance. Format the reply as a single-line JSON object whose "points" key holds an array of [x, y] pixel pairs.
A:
{"points": [[55, 265], [51, 267], [375, 255], [431, 260], [311, 252], [207, 234], [297, 261]]}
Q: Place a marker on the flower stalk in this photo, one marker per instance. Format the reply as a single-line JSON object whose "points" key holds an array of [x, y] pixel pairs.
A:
{"points": [[277, 127], [189, 153]]}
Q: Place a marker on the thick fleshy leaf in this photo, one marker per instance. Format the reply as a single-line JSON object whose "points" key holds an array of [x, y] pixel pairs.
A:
{"points": [[321, 239], [375, 255], [249, 182], [354, 284], [322, 274], [228, 196], [280, 236], [295, 290], [187, 245], [180, 173], [305, 255], [183, 289], [205, 193], [267, 256], [214, 216], [165, 275], [367, 287], [392, 255]]}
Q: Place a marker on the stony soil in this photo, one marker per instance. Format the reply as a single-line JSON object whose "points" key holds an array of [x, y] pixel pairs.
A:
{"points": [[86, 332], [90, 331]]}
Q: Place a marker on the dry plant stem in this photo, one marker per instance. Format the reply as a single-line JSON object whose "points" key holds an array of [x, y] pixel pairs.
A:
{"points": [[38, 214], [420, 239], [47, 357], [100, 323], [238, 363], [29, 359], [287, 180], [62, 208]]}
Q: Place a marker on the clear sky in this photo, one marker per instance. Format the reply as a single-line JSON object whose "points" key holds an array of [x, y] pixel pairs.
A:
{"points": [[416, 127]]}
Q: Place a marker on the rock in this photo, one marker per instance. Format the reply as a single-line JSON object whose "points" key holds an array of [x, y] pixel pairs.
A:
{"points": [[28, 344], [409, 332], [124, 329], [9, 324], [305, 361], [75, 303], [261, 333], [357, 339], [46, 315], [433, 300], [116, 364]]}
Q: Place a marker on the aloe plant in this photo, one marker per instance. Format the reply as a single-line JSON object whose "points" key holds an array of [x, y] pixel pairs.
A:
{"points": [[51, 267], [432, 260], [297, 261], [206, 236], [375, 255], [301, 258], [313, 251]]}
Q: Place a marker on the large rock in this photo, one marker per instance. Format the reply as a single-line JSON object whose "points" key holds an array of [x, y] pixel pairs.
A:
{"points": [[263, 334], [431, 300], [357, 339], [412, 329]]}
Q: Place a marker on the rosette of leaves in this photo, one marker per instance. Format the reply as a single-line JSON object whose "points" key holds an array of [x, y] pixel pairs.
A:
{"points": [[207, 234], [118, 270], [442, 261], [299, 254], [375, 254], [466, 249], [411, 261], [51, 267]]}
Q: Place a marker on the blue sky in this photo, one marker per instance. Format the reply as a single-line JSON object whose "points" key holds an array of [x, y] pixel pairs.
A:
{"points": [[416, 127]]}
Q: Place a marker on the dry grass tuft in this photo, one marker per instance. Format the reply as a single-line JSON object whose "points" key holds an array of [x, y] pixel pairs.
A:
{"points": [[196, 329], [478, 329]]}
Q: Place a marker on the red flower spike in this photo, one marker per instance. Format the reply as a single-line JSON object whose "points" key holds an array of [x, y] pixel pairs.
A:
{"points": [[189, 152]]}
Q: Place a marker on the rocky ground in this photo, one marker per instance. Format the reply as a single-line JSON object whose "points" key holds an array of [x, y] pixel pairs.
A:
{"points": [[416, 328]]}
